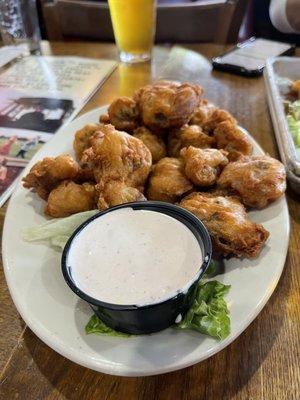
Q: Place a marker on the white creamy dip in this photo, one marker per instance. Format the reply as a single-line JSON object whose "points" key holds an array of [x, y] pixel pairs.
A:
{"points": [[134, 257]]}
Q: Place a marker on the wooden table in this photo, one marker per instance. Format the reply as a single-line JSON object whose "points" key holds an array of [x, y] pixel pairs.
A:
{"points": [[262, 364]]}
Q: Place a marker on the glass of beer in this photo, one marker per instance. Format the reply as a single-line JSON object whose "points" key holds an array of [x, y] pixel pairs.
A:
{"points": [[134, 24]]}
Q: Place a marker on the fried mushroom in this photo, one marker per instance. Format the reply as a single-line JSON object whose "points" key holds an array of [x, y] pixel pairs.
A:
{"points": [[232, 139], [167, 181], [257, 180], [188, 135], [123, 114], [121, 164], [167, 105], [219, 115], [202, 113], [231, 231], [69, 198], [82, 139], [46, 174], [155, 144], [117, 192], [203, 166]]}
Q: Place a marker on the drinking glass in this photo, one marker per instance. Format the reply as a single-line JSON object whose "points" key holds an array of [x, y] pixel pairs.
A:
{"points": [[134, 24], [19, 23]]}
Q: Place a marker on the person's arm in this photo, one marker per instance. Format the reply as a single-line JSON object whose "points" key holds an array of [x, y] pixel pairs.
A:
{"points": [[285, 15]]}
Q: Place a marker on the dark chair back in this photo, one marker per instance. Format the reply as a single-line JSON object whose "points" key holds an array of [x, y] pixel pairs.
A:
{"points": [[177, 21]]}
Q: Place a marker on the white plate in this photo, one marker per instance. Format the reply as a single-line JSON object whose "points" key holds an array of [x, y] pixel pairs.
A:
{"points": [[58, 317]]}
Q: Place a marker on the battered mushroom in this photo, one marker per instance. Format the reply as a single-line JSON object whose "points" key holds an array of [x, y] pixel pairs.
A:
{"points": [[231, 231], [167, 105], [118, 160], [188, 135], [202, 113], [174, 143], [155, 144], [202, 166], [116, 155], [167, 181], [82, 139], [257, 180], [123, 114], [219, 115], [116, 192], [232, 139], [70, 198], [46, 174], [104, 119]]}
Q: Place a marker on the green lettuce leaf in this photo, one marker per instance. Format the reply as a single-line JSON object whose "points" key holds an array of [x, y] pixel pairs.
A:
{"points": [[293, 121], [57, 231], [296, 109], [212, 269], [209, 314], [215, 267], [95, 325], [294, 125]]}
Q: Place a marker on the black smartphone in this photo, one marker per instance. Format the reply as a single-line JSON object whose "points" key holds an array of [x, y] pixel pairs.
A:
{"points": [[248, 58]]}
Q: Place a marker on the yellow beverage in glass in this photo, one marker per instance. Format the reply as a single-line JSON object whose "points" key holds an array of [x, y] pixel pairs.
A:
{"points": [[134, 28]]}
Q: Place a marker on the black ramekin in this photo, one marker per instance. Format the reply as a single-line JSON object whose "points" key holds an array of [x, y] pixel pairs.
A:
{"points": [[157, 316]]}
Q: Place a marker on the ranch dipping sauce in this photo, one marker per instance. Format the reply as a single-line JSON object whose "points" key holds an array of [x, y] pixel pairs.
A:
{"points": [[134, 257]]}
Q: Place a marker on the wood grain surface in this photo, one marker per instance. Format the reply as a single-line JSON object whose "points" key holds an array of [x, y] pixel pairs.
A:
{"points": [[263, 363]]}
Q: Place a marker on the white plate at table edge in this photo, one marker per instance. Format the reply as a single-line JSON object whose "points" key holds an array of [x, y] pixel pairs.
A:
{"points": [[170, 350]]}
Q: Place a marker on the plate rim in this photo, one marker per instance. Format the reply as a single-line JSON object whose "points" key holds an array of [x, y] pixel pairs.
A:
{"points": [[125, 370]]}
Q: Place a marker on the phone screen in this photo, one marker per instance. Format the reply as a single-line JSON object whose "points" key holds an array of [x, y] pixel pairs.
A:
{"points": [[252, 54]]}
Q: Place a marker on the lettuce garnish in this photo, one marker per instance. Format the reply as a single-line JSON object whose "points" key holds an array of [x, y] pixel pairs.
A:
{"points": [[209, 314]]}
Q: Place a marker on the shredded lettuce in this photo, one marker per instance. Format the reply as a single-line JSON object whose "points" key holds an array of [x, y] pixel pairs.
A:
{"points": [[216, 267], [212, 269], [95, 325], [209, 314], [293, 121], [57, 231], [294, 127], [296, 109]]}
